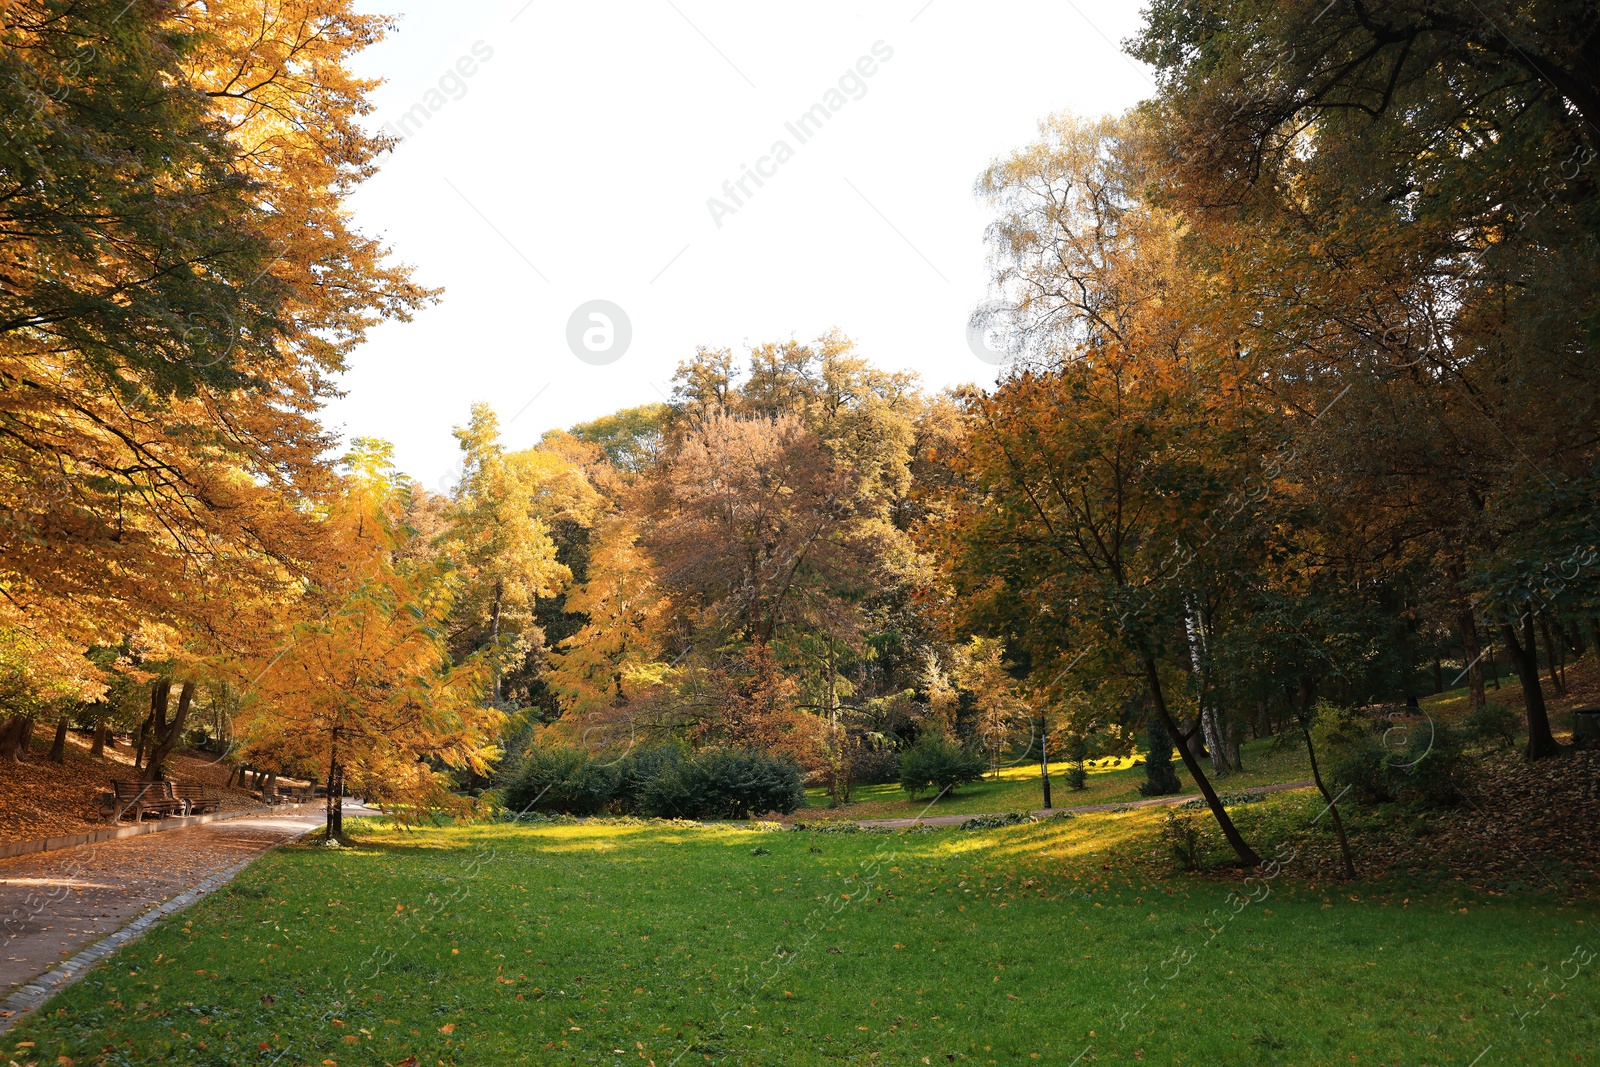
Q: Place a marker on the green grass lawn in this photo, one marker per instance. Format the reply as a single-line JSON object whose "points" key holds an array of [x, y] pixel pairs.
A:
{"points": [[1017, 788], [669, 943]]}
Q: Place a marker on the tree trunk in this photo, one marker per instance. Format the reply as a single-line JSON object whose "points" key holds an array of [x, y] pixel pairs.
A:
{"points": [[1551, 657], [1230, 743], [838, 767], [335, 815], [1575, 638], [58, 747], [1438, 676], [139, 740], [1044, 762], [1541, 742], [1408, 665], [98, 749], [1246, 854], [1473, 652], [1333, 807], [13, 738], [1211, 730], [1263, 719], [1594, 632], [494, 638], [168, 733]]}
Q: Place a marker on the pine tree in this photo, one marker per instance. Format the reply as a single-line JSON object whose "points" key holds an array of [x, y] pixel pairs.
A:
{"points": [[1160, 779]]}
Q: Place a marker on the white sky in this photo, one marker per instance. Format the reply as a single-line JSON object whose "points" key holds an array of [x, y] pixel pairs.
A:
{"points": [[575, 163]]}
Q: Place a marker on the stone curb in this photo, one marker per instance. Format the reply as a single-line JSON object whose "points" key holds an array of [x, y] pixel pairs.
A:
{"points": [[34, 994], [175, 822]]}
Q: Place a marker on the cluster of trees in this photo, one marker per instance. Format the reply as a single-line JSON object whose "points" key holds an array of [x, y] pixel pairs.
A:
{"points": [[1307, 386], [1303, 402]]}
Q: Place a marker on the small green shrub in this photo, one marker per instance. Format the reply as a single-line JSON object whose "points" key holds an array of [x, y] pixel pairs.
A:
{"points": [[1493, 724], [560, 780], [1180, 834], [1423, 766], [1361, 765], [725, 784], [1434, 768], [935, 763], [994, 822], [1229, 800]]}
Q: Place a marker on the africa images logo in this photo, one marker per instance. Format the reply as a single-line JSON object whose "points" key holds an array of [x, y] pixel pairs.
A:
{"points": [[451, 85], [852, 85]]}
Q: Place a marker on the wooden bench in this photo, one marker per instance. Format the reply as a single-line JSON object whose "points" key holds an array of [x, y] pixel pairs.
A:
{"points": [[289, 794], [145, 797], [197, 798], [278, 794]]}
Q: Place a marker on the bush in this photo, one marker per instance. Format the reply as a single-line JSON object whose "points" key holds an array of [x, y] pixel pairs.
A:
{"points": [[1181, 835], [994, 822], [874, 765], [1229, 800], [1427, 771], [724, 784], [662, 782], [934, 762], [1493, 724], [1078, 755], [1362, 765], [1159, 778], [637, 770], [561, 780], [1433, 772]]}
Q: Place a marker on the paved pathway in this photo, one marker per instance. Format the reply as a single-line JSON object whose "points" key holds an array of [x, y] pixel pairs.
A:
{"points": [[956, 820], [55, 905]]}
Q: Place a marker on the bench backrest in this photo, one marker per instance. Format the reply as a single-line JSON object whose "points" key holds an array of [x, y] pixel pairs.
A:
{"points": [[126, 790]]}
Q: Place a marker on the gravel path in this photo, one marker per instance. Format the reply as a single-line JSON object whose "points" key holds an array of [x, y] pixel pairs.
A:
{"points": [[956, 820], [55, 905]]}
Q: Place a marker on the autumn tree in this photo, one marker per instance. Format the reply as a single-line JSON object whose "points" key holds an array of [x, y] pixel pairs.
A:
{"points": [[362, 687], [602, 671], [502, 548], [1101, 504], [181, 283]]}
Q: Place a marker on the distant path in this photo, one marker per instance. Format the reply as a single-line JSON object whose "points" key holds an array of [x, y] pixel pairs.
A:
{"points": [[957, 820], [62, 911]]}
